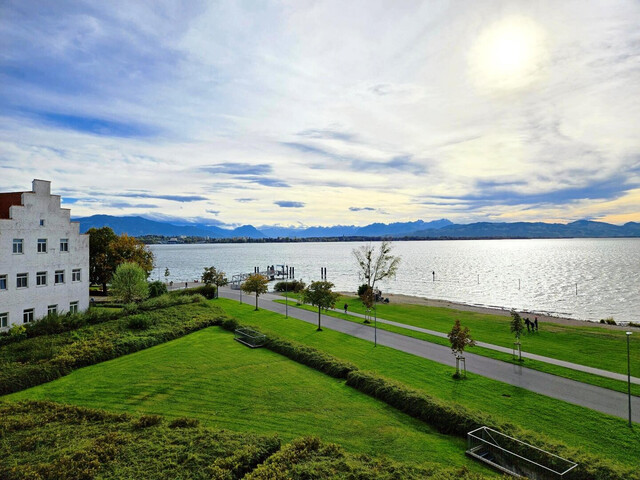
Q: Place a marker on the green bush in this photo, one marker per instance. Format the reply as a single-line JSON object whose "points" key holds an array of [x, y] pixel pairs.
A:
{"points": [[207, 291], [146, 421], [184, 422], [156, 289], [138, 322], [292, 286]]}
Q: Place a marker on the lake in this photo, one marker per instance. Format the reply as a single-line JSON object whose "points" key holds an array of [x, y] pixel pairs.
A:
{"points": [[534, 275]]}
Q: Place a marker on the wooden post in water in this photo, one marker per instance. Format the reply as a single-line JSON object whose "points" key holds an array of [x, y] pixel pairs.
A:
{"points": [[478, 279], [576, 289], [518, 284]]}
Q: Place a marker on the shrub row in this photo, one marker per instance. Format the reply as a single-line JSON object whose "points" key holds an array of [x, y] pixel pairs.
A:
{"points": [[448, 418]]}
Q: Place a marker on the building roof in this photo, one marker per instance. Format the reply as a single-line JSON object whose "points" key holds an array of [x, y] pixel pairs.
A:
{"points": [[7, 200]]}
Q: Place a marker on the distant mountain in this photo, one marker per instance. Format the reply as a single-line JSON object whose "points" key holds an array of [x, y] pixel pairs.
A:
{"points": [[138, 226], [579, 229], [372, 230], [248, 231]]}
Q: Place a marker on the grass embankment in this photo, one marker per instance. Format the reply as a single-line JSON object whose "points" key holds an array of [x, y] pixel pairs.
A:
{"points": [[32, 361], [44, 440], [587, 345], [208, 376], [581, 428]]}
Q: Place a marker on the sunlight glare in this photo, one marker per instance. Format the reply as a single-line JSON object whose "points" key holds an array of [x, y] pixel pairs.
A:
{"points": [[508, 55]]}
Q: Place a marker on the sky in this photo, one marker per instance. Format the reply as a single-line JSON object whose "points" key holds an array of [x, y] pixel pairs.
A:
{"points": [[303, 113]]}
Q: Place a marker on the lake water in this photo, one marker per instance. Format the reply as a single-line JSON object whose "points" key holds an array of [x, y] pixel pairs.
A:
{"points": [[532, 275]]}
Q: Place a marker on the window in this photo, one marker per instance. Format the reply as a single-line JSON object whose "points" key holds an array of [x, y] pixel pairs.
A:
{"points": [[27, 315], [52, 309], [4, 320], [22, 280], [41, 279], [17, 245], [42, 245], [75, 275], [42, 222], [73, 307], [64, 244], [3, 282], [59, 276]]}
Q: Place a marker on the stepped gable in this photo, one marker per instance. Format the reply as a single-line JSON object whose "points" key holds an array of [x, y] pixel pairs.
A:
{"points": [[8, 200]]}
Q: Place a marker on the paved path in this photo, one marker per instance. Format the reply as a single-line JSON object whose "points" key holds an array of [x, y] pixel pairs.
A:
{"points": [[596, 398], [498, 348]]}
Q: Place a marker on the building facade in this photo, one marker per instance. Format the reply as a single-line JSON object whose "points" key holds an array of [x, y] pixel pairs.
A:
{"points": [[44, 260]]}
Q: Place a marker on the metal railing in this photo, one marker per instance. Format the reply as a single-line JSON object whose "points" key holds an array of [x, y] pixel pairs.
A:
{"points": [[515, 457], [250, 337]]}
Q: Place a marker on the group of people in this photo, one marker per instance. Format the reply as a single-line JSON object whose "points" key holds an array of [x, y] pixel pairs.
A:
{"points": [[532, 325]]}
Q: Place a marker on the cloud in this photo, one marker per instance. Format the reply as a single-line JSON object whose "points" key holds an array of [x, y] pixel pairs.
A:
{"points": [[97, 126], [360, 209], [213, 212], [237, 168], [289, 204], [173, 198], [245, 200], [130, 205]]}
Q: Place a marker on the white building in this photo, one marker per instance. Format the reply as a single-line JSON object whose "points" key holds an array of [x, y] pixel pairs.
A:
{"points": [[44, 260]]}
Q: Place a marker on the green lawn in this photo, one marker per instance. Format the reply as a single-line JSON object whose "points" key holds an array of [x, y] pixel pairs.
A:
{"points": [[578, 427], [206, 375], [617, 385]]}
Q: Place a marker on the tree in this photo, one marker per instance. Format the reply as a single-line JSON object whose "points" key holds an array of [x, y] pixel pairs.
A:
{"points": [[517, 326], [376, 265], [460, 338], [212, 276], [257, 284], [129, 283], [166, 274], [319, 295], [108, 250], [100, 268], [129, 249], [368, 299]]}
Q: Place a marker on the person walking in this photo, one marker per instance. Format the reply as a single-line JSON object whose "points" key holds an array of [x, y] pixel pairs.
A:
{"points": [[535, 323], [527, 323], [346, 306]]}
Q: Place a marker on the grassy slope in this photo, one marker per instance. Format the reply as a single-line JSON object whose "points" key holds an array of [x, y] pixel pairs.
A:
{"points": [[597, 380], [577, 426], [208, 376]]}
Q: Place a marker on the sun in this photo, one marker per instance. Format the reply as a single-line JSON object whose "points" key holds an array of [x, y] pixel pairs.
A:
{"points": [[508, 55]]}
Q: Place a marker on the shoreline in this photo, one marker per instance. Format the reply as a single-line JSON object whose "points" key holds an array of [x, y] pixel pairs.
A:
{"points": [[503, 312]]}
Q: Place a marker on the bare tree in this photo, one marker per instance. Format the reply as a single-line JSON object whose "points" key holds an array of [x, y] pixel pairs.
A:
{"points": [[376, 265]]}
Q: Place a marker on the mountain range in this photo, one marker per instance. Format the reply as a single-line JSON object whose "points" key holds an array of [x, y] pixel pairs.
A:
{"points": [[443, 228]]}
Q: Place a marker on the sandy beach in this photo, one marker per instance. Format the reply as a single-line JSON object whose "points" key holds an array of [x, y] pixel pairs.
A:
{"points": [[408, 299]]}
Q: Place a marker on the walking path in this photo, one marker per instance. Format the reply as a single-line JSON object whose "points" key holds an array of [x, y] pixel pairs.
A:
{"points": [[590, 396], [498, 348]]}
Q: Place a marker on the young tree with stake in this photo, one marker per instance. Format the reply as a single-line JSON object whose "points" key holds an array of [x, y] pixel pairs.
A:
{"points": [[460, 339], [257, 284], [319, 295], [517, 326]]}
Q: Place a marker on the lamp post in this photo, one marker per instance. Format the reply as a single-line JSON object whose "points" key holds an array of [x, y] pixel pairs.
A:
{"points": [[286, 292], [629, 375]]}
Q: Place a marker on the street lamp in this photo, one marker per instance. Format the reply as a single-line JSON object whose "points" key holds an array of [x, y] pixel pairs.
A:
{"points": [[629, 375]]}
